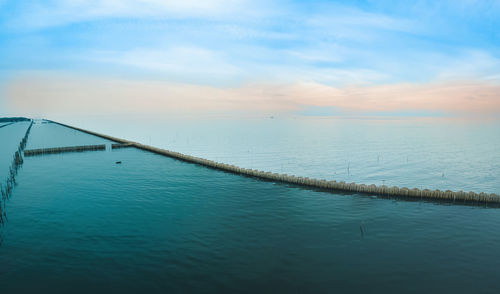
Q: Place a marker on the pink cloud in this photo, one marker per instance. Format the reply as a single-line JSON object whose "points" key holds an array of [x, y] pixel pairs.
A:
{"points": [[44, 94]]}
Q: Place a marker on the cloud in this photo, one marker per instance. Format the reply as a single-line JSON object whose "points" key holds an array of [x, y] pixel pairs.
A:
{"points": [[177, 62], [48, 93], [232, 43], [353, 24], [329, 65], [455, 97], [44, 14], [38, 95], [472, 63]]}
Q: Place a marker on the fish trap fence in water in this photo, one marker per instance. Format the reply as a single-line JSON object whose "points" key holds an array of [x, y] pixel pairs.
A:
{"points": [[34, 152], [415, 193], [13, 169], [121, 145]]}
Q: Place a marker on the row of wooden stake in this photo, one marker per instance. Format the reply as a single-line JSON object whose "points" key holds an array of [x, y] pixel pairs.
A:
{"points": [[315, 183], [10, 183]]}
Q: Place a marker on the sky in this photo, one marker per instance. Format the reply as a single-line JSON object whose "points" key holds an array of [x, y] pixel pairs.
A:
{"points": [[410, 58]]}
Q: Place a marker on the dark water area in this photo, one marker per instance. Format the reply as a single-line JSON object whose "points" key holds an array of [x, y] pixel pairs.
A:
{"points": [[81, 223]]}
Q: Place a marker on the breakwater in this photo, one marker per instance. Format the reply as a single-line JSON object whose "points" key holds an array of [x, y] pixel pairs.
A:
{"points": [[17, 161], [382, 190], [33, 152]]}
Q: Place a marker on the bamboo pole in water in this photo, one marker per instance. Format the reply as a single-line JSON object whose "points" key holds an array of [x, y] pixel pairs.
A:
{"points": [[323, 184]]}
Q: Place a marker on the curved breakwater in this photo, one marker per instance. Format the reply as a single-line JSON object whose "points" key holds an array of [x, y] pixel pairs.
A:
{"points": [[311, 182]]}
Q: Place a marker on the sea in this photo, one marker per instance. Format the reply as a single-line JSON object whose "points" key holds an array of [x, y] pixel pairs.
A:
{"points": [[129, 221]]}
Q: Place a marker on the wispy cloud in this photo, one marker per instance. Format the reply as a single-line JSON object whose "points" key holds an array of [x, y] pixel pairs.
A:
{"points": [[179, 63], [473, 63], [46, 93], [44, 14]]}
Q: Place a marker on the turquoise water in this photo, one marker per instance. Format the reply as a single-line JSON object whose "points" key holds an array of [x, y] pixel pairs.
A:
{"points": [[79, 222], [49, 135], [425, 153]]}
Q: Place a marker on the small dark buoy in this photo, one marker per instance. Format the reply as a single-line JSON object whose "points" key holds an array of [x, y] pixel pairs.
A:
{"points": [[118, 162]]}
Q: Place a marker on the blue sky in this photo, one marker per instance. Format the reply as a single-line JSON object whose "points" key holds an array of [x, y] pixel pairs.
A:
{"points": [[228, 44]]}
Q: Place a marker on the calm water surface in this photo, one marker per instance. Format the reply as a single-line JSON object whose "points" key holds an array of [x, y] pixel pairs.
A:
{"points": [[80, 222], [426, 153], [49, 135]]}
